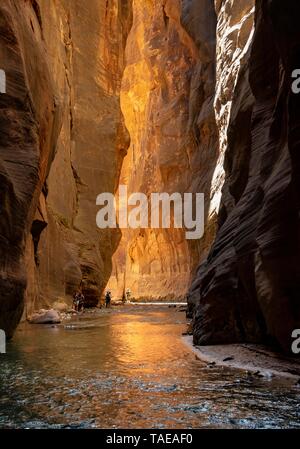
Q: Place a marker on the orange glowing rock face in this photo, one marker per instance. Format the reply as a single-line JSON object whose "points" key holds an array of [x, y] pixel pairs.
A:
{"points": [[167, 103]]}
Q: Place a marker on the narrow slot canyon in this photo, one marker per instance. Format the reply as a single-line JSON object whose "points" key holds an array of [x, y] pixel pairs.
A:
{"points": [[176, 97]]}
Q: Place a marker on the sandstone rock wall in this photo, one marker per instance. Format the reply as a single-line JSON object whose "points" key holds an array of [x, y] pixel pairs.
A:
{"points": [[90, 41], [195, 96], [167, 101], [248, 287], [29, 122], [62, 143]]}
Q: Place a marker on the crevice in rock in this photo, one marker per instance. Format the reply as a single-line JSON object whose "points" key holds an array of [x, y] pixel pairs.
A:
{"points": [[165, 16], [37, 11]]}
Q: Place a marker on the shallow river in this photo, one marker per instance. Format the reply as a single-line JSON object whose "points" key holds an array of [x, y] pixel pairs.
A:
{"points": [[129, 368]]}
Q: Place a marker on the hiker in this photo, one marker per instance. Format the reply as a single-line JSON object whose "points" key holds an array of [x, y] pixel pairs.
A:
{"points": [[78, 301], [128, 294], [81, 302], [107, 298]]}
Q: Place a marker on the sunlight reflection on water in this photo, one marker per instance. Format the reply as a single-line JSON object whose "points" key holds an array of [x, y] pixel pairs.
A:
{"points": [[129, 368]]}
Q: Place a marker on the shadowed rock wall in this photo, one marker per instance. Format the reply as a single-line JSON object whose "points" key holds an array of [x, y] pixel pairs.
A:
{"points": [[248, 288]]}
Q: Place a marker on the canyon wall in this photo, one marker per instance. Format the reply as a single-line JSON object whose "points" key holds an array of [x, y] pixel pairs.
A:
{"points": [[62, 143], [86, 43], [160, 96], [29, 122], [167, 101], [248, 287]]}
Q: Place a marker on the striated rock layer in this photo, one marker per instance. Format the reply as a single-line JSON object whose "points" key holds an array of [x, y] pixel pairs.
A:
{"points": [[167, 101], [62, 143], [248, 288]]}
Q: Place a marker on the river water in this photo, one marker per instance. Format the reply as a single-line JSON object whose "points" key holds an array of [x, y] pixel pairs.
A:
{"points": [[129, 368]]}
